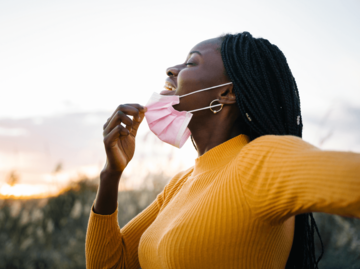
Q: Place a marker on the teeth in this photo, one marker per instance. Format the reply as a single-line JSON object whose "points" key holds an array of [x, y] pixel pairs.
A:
{"points": [[169, 87]]}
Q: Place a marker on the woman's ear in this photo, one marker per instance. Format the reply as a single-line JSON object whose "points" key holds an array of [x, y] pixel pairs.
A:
{"points": [[227, 96]]}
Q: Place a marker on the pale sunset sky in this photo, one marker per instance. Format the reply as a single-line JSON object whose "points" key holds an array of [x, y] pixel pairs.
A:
{"points": [[66, 65]]}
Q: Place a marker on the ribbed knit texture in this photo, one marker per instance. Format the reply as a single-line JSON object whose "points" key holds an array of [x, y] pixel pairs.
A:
{"points": [[234, 209]]}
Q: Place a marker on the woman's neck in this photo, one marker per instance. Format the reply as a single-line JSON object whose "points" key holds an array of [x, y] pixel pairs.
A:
{"points": [[208, 137]]}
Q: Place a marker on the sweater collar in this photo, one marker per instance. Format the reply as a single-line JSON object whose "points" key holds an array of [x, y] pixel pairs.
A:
{"points": [[220, 155]]}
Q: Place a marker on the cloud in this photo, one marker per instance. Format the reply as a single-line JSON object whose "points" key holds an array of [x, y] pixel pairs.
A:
{"points": [[4, 131], [76, 141], [338, 127]]}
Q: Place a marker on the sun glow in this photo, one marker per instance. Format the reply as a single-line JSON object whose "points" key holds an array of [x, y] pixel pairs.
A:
{"points": [[25, 191]]}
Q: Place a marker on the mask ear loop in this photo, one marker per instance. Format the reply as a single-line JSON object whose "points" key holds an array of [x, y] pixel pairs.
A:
{"points": [[210, 107], [206, 89]]}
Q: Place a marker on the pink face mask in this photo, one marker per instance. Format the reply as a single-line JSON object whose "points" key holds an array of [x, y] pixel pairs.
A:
{"points": [[169, 124]]}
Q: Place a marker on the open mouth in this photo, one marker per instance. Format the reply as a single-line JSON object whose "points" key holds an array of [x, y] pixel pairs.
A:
{"points": [[169, 87]]}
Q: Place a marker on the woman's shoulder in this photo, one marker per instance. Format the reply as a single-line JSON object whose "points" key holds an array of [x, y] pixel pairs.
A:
{"points": [[178, 180], [273, 142], [184, 173], [173, 187], [278, 148]]}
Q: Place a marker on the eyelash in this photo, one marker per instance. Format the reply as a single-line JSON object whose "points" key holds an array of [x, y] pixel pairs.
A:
{"points": [[189, 64]]}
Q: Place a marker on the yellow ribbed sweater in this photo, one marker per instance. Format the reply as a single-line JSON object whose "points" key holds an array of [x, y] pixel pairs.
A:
{"points": [[233, 209]]}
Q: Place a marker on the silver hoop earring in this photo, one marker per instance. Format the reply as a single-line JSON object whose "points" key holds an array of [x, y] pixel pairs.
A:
{"points": [[211, 106]]}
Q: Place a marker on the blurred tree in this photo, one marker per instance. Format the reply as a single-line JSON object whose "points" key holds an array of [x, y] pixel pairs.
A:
{"points": [[58, 168], [13, 178]]}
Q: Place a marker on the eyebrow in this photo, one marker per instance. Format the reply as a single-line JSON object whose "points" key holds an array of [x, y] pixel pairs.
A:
{"points": [[195, 51]]}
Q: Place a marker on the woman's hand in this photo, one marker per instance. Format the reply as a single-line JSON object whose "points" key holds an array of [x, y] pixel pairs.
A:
{"points": [[119, 141], [119, 144]]}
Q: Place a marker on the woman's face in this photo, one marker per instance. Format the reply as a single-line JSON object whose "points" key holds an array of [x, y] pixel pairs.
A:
{"points": [[203, 68]]}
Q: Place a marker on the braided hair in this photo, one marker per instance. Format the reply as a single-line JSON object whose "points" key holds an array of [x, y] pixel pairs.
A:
{"points": [[269, 103]]}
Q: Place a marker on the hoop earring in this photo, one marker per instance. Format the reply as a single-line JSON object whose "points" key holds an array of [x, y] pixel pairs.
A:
{"points": [[216, 111]]}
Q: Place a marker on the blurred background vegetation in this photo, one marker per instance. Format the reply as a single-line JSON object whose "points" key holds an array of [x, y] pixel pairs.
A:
{"points": [[50, 232]]}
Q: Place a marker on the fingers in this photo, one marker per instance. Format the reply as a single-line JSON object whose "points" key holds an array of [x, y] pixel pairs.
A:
{"points": [[139, 119], [111, 138], [119, 116], [121, 108], [116, 119], [136, 123]]}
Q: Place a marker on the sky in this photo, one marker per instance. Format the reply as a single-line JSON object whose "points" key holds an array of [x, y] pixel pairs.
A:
{"points": [[66, 65]]}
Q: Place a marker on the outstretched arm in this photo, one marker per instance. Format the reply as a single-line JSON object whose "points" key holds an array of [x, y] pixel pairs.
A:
{"points": [[283, 176]]}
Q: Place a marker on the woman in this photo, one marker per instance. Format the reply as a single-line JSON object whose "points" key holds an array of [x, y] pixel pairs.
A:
{"points": [[236, 207]]}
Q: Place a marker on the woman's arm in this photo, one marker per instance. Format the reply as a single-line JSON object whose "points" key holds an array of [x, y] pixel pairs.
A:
{"points": [[106, 198], [283, 176], [119, 145], [106, 246]]}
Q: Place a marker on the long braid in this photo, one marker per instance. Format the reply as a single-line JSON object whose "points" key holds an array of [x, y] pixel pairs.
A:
{"points": [[269, 103]]}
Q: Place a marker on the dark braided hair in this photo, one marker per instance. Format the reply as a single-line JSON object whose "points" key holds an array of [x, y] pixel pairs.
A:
{"points": [[269, 103]]}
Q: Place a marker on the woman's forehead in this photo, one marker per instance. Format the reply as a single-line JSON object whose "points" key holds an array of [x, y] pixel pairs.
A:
{"points": [[208, 45]]}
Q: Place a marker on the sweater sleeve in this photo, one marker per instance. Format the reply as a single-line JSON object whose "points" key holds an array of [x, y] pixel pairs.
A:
{"points": [[283, 176], [108, 246]]}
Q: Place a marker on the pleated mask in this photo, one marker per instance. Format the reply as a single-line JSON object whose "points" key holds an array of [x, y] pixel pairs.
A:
{"points": [[169, 124]]}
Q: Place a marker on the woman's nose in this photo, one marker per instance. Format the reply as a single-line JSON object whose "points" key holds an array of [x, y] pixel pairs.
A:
{"points": [[172, 71]]}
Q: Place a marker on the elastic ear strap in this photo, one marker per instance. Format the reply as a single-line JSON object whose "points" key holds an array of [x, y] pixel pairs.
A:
{"points": [[205, 89], [204, 108]]}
